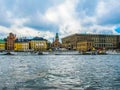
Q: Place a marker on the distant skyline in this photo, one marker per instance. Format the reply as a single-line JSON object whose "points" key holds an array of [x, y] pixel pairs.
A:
{"points": [[46, 17]]}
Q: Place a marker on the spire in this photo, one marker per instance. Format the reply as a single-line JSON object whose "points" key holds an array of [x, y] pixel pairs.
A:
{"points": [[57, 37], [53, 39]]}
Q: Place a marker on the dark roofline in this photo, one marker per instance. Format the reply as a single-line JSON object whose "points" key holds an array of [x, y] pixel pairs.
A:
{"points": [[38, 39], [77, 34], [70, 35], [22, 40]]}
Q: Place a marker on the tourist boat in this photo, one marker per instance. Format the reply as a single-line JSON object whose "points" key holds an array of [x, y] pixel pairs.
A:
{"points": [[70, 52], [67, 52]]}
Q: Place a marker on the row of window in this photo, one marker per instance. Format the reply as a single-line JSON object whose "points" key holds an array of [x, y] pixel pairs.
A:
{"points": [[103, 45], [96, 45]]}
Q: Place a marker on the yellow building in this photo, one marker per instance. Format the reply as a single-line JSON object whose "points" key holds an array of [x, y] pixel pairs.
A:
{"points": [[21, 45], [2, 45], [38, 44], [85, 45]]}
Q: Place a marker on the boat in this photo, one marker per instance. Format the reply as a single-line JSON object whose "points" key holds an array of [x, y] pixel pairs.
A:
{"points": [[40, 53], [58, 52], [71, 52], [89, 53], [67, 53], [8, 53], [112, 52], [93, 53]]}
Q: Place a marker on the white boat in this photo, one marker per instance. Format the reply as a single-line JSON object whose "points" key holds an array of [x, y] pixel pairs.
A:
{"points": [[66, 52], [112, 52]]}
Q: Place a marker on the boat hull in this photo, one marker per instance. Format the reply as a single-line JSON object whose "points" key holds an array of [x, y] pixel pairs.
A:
{"points": [[61, 53]]}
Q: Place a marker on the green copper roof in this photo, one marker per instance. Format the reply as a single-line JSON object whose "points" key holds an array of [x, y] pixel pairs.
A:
{"points": [[2, 41], [57, 35]]}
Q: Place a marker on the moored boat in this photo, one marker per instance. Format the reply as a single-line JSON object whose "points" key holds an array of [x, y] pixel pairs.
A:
{"points": [[112, 52], [67, 52], [8, 53], [93, 53]]}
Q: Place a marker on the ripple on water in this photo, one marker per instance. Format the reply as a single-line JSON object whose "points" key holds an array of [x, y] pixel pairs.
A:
{"points": [[60, 72]]}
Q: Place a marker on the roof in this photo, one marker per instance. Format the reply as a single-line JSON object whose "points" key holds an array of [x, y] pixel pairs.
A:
{"points": [[38, 39], [78, 34], [20, 40]]}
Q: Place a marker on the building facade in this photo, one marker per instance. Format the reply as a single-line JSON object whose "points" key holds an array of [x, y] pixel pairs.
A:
{"points": [[85, 45], [10, 41], [38, 44], [2, 45], [99, 41], [21, 45]]}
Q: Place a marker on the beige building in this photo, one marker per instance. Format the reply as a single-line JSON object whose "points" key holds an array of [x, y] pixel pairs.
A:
{"points": [[99, 41], [38, 44]]}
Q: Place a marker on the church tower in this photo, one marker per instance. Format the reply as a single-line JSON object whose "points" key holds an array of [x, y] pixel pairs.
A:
{"points": [[57, 37], [56, 43], [10, 41]]}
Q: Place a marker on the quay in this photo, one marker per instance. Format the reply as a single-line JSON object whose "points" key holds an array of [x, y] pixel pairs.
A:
{"points": [[76, 44]]}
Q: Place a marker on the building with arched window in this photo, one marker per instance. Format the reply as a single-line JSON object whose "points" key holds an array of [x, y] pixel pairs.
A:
{"points": [[10, 41], [38, 44], [99, 41]]}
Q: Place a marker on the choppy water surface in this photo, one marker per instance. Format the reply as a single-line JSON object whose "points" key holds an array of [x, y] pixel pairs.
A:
{"points": [[92, 72]]}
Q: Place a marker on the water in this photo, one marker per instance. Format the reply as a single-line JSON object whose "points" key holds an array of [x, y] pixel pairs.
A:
{"points": [[54, 72]]}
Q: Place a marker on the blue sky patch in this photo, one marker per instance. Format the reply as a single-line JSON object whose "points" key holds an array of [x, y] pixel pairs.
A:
{"points": [[117, 29]]}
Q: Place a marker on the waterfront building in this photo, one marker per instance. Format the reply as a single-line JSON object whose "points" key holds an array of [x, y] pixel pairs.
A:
{"points": [[56, 44], [99, 41], [38, 44], [2, 45], [10, 41], [21, 45]]}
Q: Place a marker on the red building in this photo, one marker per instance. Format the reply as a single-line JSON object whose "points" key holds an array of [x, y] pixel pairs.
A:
{"points": [[10, 41]]}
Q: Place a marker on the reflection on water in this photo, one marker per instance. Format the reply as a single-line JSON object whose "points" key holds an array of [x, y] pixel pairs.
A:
{"points": [[60, 72]]}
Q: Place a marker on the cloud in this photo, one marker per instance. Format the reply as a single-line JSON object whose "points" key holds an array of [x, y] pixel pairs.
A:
{"points": [[63, 16], [18, 19], [108, 13], [25, 32], [84, 16]]}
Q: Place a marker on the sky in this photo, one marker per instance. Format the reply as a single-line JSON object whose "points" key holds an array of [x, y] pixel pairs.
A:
{"points": [[44, 18]]}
